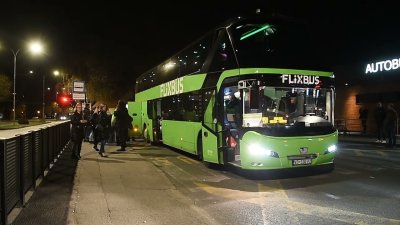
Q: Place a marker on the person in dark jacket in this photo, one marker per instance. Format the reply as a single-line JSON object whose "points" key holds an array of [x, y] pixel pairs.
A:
{"points": [[379, 115], [363, 117], [390, 125], [122, 123], [78, 124], [103, 127], [94, 120], [86, 116]]}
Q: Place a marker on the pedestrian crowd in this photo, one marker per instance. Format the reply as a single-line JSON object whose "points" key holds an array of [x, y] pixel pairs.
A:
{"points": [[99, 126], [386, 120]]}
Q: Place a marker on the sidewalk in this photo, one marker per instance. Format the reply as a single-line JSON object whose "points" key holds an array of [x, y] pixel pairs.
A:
{"points": [[356, 137], [124, 188]]}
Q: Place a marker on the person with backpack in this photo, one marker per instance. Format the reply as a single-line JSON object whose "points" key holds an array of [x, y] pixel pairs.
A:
{"points": [[122, 123]]}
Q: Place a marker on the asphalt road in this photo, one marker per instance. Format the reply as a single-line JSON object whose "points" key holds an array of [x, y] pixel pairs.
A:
{"points": [[157, 185], [364, 188]]}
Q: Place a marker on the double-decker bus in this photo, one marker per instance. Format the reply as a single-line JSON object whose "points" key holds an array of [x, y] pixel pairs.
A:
{"points": [[250, 93]]}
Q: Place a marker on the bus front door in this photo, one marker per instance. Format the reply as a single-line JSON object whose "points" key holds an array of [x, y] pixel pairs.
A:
{"points": [[209, 134]]}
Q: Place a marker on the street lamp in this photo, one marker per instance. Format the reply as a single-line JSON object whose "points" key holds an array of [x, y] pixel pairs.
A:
{"points": [[65, 81], [57, 73], [35, 48]]}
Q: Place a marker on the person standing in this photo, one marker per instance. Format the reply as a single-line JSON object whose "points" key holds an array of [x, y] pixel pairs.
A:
{"points": [[113, 126], [363, 117], [94, 120], [379, 115], [78, 124], [86, 116], [390, 125], [122, 124], [103, 127]]}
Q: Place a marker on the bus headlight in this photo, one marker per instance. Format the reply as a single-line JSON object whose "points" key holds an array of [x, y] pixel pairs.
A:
{"points": [[331, 149], [256, 149]]}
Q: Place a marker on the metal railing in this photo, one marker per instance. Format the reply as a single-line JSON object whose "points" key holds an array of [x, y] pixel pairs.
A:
{"points": [[348, 125], [24, 159]]}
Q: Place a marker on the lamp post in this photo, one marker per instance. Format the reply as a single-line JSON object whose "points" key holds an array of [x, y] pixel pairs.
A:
{"points": [[43, 99], [15, 53], [64, 77], [35, 48]]}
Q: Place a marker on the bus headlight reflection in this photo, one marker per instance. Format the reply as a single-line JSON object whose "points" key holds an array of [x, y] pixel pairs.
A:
{"points": [[331, 149], [256, 149]]}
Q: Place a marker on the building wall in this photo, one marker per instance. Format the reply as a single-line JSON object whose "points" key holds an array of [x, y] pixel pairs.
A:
{"points": [[347, 108]]}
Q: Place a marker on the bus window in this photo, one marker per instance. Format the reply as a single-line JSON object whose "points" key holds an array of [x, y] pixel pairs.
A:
{"points": [[232, 107], [276, 44], [166, 108], [224, 57], [192, 107]]}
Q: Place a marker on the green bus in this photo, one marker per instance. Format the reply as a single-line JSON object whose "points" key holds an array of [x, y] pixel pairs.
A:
{"points": [[251, 93]]}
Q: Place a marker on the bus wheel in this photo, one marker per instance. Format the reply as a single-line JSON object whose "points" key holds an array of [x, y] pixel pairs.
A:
{"points": [[199, 148]]}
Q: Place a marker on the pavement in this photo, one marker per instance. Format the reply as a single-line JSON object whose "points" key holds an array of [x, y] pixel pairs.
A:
{"points": [[359, 138], [123, 188]]}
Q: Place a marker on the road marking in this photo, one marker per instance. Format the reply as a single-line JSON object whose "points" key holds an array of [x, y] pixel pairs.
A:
{"points": [[187, 160], [271, 194], [358, 153], [382, 153], [332, 196], [345, 171], [159, 161], [342, 215]]}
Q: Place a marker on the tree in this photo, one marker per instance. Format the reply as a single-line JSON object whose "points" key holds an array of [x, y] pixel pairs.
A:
{"points": [[5, 88], [104, 81]]}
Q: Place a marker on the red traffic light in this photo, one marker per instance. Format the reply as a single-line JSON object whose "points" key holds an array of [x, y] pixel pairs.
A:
{"points": [[64, 100]]}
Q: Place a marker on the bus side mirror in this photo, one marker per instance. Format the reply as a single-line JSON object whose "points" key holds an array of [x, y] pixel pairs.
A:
{"points": [[134, 114]]}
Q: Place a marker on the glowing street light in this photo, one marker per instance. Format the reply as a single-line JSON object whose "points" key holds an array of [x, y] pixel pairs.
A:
{"points": [[34, 47], [58, 73]]}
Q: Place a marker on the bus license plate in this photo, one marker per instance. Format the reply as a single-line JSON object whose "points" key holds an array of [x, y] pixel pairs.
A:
{"points": [[297, 162]]}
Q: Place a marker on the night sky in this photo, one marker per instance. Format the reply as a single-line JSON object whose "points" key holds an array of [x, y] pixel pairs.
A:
{"points": [[128, 39]]}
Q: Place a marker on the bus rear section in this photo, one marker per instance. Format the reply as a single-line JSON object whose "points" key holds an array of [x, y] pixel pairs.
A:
{"points": [[135, 111]]}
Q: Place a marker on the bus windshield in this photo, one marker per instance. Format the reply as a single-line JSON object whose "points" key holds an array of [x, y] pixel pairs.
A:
{"points": [[277, 44], [289, 104], [283, 111]]}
